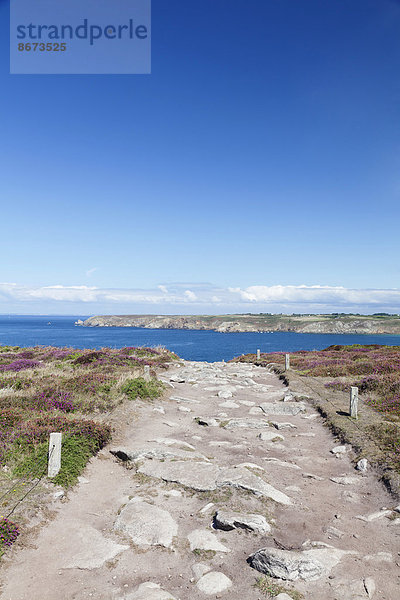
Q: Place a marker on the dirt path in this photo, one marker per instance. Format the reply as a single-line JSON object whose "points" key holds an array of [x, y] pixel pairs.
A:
{"points": [[201, 482]]}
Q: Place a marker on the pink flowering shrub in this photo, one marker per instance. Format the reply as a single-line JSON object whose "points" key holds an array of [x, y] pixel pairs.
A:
{"points": [[9, 532]]}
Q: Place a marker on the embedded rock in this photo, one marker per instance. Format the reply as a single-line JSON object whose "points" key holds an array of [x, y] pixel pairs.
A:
{"points": [[214, 583], [247, 424], [362, 465], [201, 539], [372, 517], [173, 442], [146, 524], [283, 408], [283, 425], [228, 520], [225, 394], [150, 591], [229, 404], [179, 399], [281, 463], [345, 480], [270, 436]]}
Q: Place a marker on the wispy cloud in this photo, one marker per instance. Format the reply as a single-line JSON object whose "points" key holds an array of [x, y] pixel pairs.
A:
{"points": [[90, 272], [206, 297]]}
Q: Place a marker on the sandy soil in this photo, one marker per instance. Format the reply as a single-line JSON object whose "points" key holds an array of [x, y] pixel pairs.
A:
{"points": [[81, 554]]}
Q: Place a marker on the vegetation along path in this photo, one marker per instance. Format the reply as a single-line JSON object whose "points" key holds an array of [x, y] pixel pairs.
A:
{"points": [[230, 486]]}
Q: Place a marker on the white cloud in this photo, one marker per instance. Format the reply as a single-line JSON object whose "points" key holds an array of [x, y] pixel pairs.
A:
{"points": [[316, 294], [90, 272], [256, 298], [190, 296]]}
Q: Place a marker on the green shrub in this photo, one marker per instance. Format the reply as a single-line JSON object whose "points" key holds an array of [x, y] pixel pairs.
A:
{"points": [[139, 388], [75, 452]]}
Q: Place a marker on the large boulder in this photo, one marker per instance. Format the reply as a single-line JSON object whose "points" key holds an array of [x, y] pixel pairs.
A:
{"points": [[291, 565]]}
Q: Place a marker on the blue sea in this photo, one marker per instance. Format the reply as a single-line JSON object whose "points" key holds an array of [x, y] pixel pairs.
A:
{"points": [[191, 345]]}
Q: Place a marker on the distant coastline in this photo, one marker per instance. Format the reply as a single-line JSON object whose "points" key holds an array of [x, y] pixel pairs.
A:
{"points": [[260, 323]]}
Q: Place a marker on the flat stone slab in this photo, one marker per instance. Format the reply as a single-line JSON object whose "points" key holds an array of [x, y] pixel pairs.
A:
{"points": [[250, 465], [379, 557], [246, 424], [173, 442], [228, 520], [158, 452], [229, 404], [146, 524], [202, 477], [281, 463], [290, 565], [91, 549], [149, 591], [201, 539], [198, 476], [345, 480], [283, 408], [373, 516], [179, 399], [242, 478], [286, 425], [214, 583]]}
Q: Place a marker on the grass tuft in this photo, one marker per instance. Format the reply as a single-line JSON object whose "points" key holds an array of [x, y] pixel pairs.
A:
{"points": [[269, 587]]}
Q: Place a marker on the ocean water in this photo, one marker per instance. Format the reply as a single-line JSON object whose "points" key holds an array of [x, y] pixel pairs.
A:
{"points": [[191, 345]]}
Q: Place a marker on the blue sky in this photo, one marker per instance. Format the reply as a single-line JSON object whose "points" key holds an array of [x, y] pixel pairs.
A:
{"points": [[260, 156]]}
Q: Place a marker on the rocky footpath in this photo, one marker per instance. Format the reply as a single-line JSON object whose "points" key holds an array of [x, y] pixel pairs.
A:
{"points": [[231, 478]]}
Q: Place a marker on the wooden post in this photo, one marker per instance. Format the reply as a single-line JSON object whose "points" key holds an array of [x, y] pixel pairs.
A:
{"points": [[287, 362], [258, 354], [354, 402], [146, 373], [54, 464]]}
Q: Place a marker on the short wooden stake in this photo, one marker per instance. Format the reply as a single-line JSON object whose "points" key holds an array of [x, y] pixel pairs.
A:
{"points": [[354, 402], [287, 362], [54, 463], [258, 354], [146, 373]]}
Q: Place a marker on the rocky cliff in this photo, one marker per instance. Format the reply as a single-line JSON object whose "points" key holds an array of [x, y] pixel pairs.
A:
{"points": [[353, 324]]}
